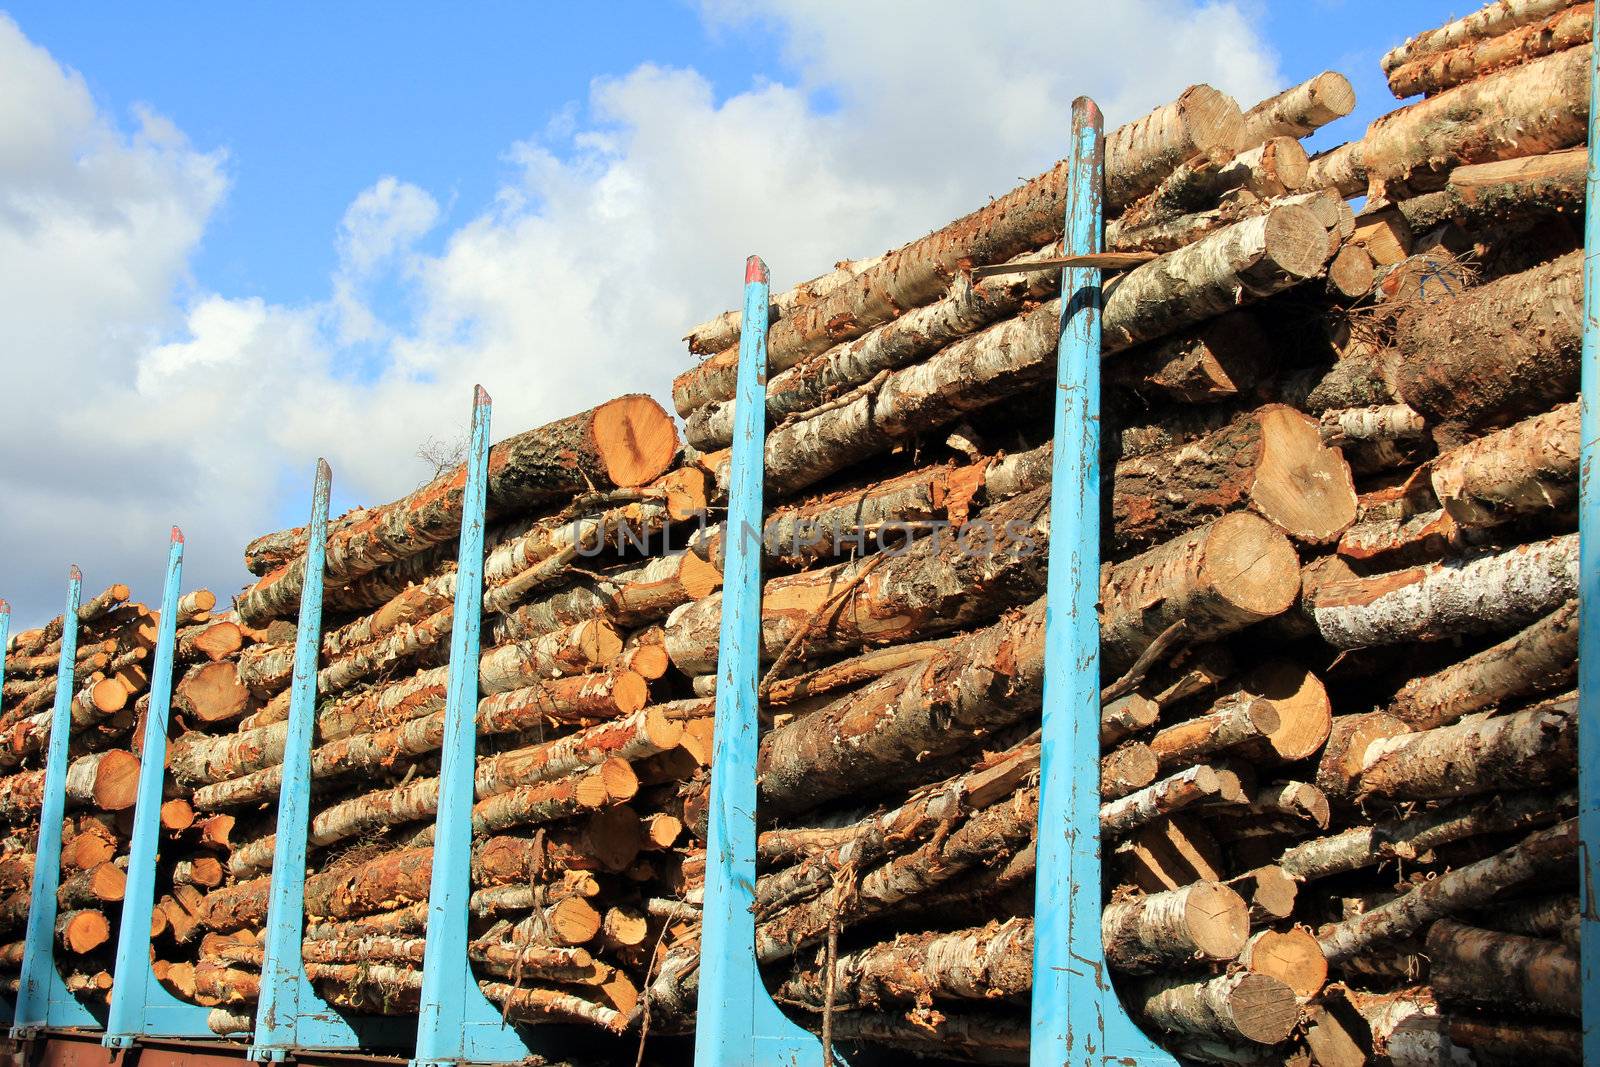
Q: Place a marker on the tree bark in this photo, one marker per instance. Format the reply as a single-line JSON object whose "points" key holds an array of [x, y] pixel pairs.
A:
{"points": [[1481, 594], [1252, 1007], [1490, 21], [1205, 921], [1541, 658], [1300, 110], [1539, 854], [1196, 785], [1249, 260], [1513, 190], [1480, 755], [1271, 461], [1342, 169], [1525, 469], [622, 443], [1488, 969]]}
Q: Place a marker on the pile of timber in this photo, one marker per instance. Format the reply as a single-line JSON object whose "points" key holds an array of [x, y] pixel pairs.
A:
{"points": [[1337, 613], [110, 702]]}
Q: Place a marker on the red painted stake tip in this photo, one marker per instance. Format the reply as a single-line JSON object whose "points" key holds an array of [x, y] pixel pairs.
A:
{"points": [[324, 471], [755, 270], [177, 536], [5, 608], [480, 396], [74, 574], [1088, 108]]}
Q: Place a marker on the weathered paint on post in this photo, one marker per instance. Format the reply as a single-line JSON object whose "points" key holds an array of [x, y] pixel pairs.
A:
{"points": [[1077, 1018], [42, 997], [738, 1024], [1589, 585], [290, 1016], [140, 1006], [456, 1023]]}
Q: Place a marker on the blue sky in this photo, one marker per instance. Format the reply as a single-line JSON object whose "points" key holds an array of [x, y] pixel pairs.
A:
{"points": [[311, 101], [236, 237]]}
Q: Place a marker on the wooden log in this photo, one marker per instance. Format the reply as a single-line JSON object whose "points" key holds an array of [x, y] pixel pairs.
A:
{"points": [[930, 587], [101, 884], [983, 682], [1524, 469], [1204, 921], [1479, 755], [1220, 578], [1137, 157], [81, 932], [1351, 272], [1232, 722], [1497, 352], [32, 642], [1536, 107], [212, 641], [1539, 854], [1489, 21], [622, 443], [211, 693], [1512, 190], [1342, 170], [1221, 359], [1193, 786], [1412, 837], [1439, 71], [1127, 770], [1271, 461], [968, 306], [588, 645], [722, 332], [1266, 170], [1291, 956], [1483, 968], [611, 782], [1242, 1005], [1251, 259], [1541, 658], [1489, 592], [1299, 110], [1142, 153], [991, 961]]}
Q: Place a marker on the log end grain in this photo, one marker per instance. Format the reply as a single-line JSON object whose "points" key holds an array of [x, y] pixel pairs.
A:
{"points": [[635, 438], [1295, 242], [1305, 713], [1251, 566], [116, 781], [1302, 485], [1293, 956]]}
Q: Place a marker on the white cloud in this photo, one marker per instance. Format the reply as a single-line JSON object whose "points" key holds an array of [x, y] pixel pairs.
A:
{"points": [[626, 222]]}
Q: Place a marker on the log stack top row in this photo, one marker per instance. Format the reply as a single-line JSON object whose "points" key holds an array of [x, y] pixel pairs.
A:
{"points": [[1337, 609]]}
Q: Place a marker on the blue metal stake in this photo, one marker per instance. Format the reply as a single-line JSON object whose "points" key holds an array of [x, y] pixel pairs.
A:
{"points": [[140, 1006], [43, 1000], [290, 1016], [739, 1025], [455, 1022], [1589, 584], [7, 1008], [1077, 1019]]}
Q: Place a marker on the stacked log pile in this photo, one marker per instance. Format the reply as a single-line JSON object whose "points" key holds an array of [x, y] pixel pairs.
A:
{"points": [[1337, 608], [115, 645], [1338, 616]]}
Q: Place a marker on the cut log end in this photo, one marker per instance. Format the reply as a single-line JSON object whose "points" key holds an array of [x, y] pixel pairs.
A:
{"points": [[635, 438], [1251, 565], [116, 782], [1296, 242]]}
